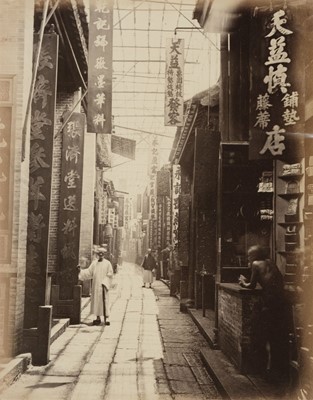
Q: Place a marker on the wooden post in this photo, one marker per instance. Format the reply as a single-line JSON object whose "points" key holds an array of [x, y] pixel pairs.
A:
{"points": [[77, 294], [55, 294], [41, 352]]}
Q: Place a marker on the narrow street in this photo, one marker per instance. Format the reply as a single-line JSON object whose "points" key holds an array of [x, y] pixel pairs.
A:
{"points": [[149, 352]]}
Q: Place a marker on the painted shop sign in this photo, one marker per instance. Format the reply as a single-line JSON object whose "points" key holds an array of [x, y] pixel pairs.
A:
{"points": [[167, 221], [40, 172], [70, 201], [277, 98], [100, 66], [174, 85], [176, 188], [6, 177], [103, 208], [163, 182], [152, 194], [126, 213], [160, 222]]}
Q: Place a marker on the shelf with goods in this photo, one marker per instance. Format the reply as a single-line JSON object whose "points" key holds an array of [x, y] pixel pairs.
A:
{"points": [[288, 177], [242, 201], [289, 202]]}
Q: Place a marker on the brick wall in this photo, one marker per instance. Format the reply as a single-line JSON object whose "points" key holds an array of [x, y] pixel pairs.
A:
{"points": [[236, 311], [16, 38]]}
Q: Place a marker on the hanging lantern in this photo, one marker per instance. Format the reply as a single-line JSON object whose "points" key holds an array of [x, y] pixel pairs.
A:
{"points": [[108, 231]]}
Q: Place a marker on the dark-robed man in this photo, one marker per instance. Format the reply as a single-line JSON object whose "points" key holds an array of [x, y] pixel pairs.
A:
{"points": [[149, 267]]}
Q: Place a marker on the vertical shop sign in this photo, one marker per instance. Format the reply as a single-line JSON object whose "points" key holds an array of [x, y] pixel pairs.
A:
{"points": [[70, 201], [160, 222], [152, 193], [111, 216], [126, 212], [277, 92], [100, 66], [163, 182], [40, 171], [167, 220], [6, 102], [174, 85], [176, 188], [121, 211], [103, 200]]}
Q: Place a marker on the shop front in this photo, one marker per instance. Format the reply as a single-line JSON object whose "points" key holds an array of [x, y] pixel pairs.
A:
{"points": [[265, 165]]}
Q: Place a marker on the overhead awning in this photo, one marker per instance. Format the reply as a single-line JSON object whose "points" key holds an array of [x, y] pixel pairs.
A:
{"points": [[195, 112]]}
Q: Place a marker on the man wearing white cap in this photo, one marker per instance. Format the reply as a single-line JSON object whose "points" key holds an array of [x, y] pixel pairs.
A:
{"points": [[101, 273]]}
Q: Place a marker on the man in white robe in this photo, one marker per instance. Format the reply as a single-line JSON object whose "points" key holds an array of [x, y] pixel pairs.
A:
{"points": [[101, 273]]}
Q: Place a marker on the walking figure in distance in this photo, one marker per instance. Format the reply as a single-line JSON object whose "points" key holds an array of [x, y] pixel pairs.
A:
{"points": [[101, 273], [149, 267]]}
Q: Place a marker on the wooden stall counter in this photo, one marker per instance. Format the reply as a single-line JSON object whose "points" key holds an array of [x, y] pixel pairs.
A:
{"points": [[238, 309]]}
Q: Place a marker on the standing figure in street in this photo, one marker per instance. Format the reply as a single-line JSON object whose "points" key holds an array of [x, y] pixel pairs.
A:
{"points": [[166, 256], [149, 267], [272, 321], [101, 273]]}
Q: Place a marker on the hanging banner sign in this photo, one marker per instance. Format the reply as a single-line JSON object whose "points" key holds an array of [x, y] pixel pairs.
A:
{"points": [[174, 85], [152, 194], [277, 95], [176, 189], [124, 147], [121, 201], [163, 182], [70, 201], [111, 216], [103, 207], [100, 66], [160, 221], [167, 221], [40, 171]]}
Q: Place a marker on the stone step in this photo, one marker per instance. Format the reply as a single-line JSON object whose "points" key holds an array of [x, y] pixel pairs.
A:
{"points": [[230, 383]]}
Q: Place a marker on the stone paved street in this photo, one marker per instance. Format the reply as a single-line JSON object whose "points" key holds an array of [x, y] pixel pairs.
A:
{"points": [[150, 352]]}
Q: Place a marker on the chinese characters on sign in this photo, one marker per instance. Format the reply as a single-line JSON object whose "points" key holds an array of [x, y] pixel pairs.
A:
{"points": [[174, 87], [40, 170], [160, 222], [277, 107], [152, 194], [100, 66], [167, 220], [103, 205], [176, 178], [70, 199]]}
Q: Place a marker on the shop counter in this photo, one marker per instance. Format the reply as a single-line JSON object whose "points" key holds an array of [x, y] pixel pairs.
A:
{"points": [[238, 310]]}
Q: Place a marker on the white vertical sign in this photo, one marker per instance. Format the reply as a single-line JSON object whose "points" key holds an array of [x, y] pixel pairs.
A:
{"points": [[174, 85], [176, 188]]}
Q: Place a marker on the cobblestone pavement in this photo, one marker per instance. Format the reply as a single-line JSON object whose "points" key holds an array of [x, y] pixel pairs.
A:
{"points": [[150, 352]]}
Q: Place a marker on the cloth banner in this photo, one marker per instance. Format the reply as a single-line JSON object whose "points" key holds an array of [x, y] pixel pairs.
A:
{"points": [[40, 175], [70, 201], [100, 66], [174, 85]]}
